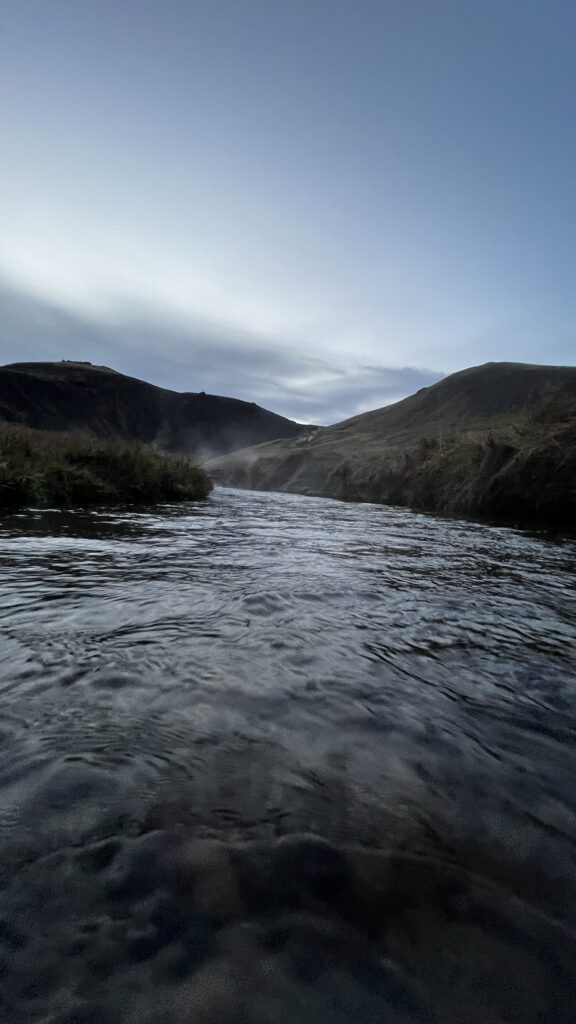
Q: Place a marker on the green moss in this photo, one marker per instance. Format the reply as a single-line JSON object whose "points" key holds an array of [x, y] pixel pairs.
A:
{"points": [[39, 468]]}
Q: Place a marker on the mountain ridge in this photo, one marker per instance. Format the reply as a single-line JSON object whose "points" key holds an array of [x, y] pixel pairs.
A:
{"points": [[75, 396]]}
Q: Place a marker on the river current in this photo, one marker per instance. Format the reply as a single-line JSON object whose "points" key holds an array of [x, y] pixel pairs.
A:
{"points": [[282, 759]]}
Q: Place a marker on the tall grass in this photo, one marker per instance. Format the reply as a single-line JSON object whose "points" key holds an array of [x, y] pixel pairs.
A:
{"points": [[530, 480], [41, 468]]}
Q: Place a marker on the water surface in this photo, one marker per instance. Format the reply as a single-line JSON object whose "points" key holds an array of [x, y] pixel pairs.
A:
{"points": [[182, 687]]}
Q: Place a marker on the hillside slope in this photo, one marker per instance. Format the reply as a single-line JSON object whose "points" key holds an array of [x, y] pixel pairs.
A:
{"points": [[495, 440], [97, 401]]}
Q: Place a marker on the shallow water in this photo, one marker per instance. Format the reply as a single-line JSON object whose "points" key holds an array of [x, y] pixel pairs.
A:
{"points": [[183, 686]]}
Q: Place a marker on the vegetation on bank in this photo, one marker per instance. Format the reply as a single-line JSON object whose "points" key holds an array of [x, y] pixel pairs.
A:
{"points": [[496, 442], [499, 477], [518, 476], [41, 468]]}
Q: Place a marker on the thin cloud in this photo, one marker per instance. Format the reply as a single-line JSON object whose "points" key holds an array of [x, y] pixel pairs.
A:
{"points": [[200, 355]]}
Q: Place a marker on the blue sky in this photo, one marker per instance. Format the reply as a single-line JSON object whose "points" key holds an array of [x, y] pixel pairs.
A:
{"points": [[316, 205]]}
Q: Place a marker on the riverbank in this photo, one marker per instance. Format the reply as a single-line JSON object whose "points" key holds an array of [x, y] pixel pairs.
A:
{"points": [[500, 478], [496, 442], [503, 478], [42, 468]]}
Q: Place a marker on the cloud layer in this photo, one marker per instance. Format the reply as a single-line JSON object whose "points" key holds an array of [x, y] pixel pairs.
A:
{"points": [[200, 355]]}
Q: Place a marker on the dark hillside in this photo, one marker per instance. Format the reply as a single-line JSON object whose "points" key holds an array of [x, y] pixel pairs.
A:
{"points": [[98, 402], [495, 394]]}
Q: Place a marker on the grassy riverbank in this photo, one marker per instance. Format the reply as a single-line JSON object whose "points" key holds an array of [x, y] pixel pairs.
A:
{"points": [[520, 479], [523, 477], [496, 441], [41, 468]]}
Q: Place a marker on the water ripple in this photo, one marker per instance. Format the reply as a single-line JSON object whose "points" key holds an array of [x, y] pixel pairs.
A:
{"points": [[265, 664]]}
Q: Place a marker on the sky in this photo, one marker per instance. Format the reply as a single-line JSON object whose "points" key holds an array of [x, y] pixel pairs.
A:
{"points": [[317, 205]]}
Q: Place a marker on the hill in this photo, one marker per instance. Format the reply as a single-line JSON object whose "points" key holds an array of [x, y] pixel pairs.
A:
{"points": [[99, 402], [497, 440]]}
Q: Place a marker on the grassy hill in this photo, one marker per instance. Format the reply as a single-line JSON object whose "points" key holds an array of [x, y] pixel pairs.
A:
{"points": [[497, 440], [98, 402]]}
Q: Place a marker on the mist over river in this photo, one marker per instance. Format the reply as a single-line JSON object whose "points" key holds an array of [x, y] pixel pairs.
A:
{"points": [[272, 758]]}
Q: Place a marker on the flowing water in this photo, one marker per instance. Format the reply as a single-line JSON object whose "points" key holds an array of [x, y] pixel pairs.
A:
{"points": [[281, 759]]}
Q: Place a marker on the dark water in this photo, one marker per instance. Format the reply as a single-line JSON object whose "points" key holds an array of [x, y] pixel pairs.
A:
{"points": [[284, 759]]}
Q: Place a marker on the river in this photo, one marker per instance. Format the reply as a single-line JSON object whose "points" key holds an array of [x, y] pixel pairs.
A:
{"points": [[274, 759]]}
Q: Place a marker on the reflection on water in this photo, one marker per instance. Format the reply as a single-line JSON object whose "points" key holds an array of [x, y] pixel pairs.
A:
{"points": [[185, 686]]}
